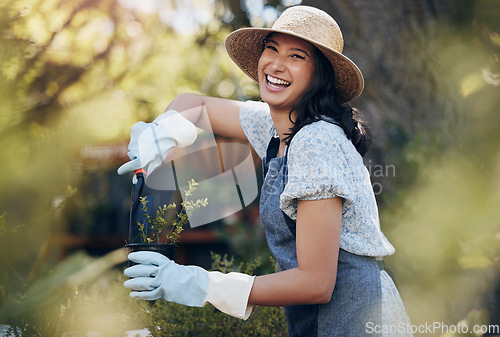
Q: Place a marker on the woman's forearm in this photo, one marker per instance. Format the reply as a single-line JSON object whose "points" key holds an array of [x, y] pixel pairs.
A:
{"points": [[290, 287], [318, 241], [217, 115], [190, 106]]}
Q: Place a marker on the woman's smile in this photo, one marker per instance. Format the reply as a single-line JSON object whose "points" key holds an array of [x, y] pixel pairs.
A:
{"points": [[277, 83]]}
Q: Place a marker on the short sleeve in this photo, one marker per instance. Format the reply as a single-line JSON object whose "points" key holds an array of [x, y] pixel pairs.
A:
{"points": [[255, 119], [322, 164]]}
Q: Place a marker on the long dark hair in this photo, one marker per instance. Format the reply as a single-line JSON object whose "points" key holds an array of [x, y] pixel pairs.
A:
{"points": [[320, 102]]}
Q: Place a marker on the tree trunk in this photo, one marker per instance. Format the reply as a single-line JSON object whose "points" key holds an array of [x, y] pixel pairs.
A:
{"points": [[406, 100]]}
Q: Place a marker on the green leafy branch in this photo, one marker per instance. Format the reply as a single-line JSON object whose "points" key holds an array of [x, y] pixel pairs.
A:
{"points": [[158, 223]]}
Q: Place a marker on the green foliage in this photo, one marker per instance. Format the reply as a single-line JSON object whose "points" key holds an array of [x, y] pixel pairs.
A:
{"points": [[161, 222], [4, 229], [170, 319], [79, 294], [157, 224], [79, 297], [446, 227], [80, 73]]}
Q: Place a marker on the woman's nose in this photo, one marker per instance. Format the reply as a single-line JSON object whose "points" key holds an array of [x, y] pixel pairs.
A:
{"points": [[278, 63]]}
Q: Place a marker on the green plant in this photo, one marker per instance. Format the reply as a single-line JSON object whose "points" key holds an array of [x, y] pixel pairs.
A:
{"points": [[155, 226]]}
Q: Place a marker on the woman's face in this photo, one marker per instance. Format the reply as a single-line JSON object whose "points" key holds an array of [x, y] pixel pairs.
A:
{"points": [[285, 71]]}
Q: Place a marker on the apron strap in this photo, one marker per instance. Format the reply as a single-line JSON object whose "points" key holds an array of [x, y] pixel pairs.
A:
{"points": [[271, 152]]}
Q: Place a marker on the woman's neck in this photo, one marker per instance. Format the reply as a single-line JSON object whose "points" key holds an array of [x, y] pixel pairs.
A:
{"points": [[282, 123]]}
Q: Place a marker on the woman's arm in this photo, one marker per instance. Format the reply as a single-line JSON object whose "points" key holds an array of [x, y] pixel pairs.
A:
{"points": [[219, 115], [318, 241]]}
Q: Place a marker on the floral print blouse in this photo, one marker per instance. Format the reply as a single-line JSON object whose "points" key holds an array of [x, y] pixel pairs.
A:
{"points": [[323, 163]]}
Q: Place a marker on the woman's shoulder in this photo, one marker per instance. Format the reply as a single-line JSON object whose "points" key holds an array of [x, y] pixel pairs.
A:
{"points": [[255, 107], [322, 134], [256, 122]]}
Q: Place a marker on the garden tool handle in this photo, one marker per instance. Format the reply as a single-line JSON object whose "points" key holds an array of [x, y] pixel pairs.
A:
{"points": [[138, 185], [141, 170]]}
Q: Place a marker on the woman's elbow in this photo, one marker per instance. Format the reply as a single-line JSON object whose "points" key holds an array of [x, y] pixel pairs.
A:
{"points": [[322, 293]]}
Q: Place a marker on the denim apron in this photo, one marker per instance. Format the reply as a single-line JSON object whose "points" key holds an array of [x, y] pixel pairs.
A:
{"points": [[357, 297]]}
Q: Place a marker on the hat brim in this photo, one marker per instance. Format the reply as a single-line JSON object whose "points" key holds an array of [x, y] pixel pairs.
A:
{"points": [[245, 46]]}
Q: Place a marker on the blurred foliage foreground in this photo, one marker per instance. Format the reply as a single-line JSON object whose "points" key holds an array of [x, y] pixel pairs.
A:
{"points": [[447, 226], [83, 297]]}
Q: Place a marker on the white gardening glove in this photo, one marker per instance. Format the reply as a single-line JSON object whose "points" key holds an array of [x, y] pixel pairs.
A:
{"points": [[155, 276], [150, 142]]}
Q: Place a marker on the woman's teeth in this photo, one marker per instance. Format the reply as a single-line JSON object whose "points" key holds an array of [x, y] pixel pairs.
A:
{"points": [[277, 81]]}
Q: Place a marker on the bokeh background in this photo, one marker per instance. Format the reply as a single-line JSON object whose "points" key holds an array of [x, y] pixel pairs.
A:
{"points": [[76, 74]]}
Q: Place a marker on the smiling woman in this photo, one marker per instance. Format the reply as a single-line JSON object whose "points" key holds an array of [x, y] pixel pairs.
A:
{"points": [[317, 204], [285, 71]]}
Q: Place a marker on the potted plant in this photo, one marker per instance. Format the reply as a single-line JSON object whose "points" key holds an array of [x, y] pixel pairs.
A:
{"points": [[158, 229]]}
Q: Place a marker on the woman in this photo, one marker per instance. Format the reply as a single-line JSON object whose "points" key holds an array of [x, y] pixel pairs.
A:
{"points": [[317, 204]]}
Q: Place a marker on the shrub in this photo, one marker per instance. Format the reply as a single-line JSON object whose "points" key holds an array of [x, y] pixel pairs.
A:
{"points": [[170, 319]]}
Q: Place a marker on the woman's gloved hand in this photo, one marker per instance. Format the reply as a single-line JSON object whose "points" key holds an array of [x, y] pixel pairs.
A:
{"points": [[151, 142], [155, 276]]}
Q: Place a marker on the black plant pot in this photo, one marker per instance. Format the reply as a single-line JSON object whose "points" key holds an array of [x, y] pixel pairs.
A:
{"points": [[167, 250], [136, 216]]}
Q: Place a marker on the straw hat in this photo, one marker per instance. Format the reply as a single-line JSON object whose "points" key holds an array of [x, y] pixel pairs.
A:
{"points": [[245, 46]]}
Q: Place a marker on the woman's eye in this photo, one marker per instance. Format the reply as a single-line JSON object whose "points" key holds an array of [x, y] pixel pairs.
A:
{"points": [[298, 56], [273, 48]]}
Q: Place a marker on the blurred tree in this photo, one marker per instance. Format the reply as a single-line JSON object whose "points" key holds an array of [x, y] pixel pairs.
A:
{"points": [[81, 72], [409, 98]]}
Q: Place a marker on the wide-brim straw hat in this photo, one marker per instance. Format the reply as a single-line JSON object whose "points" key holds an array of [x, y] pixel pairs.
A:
{"points": [[245, 46]]}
